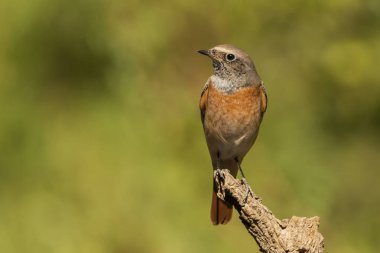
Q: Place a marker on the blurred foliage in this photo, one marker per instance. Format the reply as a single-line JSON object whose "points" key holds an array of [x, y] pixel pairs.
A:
{"points": [[101, 144]]}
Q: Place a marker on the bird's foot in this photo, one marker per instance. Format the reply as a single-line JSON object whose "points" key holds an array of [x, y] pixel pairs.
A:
{"points": [[249, 190]]}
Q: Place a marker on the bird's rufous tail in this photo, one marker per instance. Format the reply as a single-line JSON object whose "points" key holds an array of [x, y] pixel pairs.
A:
{"points": [[221, 212]]}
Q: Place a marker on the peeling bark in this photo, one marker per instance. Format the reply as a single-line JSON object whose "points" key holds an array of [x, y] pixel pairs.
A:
{"points": [[294, 235]]}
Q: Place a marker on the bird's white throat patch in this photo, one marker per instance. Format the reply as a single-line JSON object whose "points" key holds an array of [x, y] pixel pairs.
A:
{"points": [[222, 84]]}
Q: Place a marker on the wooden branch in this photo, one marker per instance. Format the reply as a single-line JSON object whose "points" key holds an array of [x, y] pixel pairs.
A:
{"points": [[294, 235]]}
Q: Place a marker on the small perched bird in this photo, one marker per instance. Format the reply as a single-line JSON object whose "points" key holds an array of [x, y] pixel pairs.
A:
{"points": [[232, 104]]}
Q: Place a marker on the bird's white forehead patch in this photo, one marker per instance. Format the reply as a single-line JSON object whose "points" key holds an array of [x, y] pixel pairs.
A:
{"points": [[221, 49]]}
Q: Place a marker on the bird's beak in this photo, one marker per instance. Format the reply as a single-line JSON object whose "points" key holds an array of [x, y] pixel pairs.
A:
{"points": [[204, 52]]}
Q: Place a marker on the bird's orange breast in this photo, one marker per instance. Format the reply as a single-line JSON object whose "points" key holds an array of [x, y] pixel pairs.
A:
{"points": [[231, 116], [235, 111]]}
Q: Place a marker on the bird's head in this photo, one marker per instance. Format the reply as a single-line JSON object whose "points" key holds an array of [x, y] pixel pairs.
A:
{"points": [[232, 64]]}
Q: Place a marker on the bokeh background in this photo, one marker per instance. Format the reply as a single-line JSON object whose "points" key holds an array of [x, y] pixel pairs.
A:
{"points": [[101, 145]]}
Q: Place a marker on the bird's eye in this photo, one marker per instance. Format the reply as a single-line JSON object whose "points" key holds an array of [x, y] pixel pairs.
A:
{"points": [[230, 57]]}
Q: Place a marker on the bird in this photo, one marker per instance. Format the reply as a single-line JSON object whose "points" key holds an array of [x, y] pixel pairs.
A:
{"points": [[232, 105]]}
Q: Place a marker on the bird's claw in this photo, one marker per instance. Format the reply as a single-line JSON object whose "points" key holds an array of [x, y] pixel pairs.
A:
{"points": [[249, 190]]}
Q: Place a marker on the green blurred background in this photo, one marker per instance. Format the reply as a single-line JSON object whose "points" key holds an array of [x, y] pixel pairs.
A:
{"points": [[102, 149]]}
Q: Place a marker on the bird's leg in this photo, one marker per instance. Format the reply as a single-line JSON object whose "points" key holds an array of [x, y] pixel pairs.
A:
{"points": [[217, 161], [240, 169], [249, 190], [217, 171]]}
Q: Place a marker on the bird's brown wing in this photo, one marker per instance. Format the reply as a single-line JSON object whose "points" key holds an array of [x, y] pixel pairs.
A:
{"points": [[203, 101], [264, 98]]}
